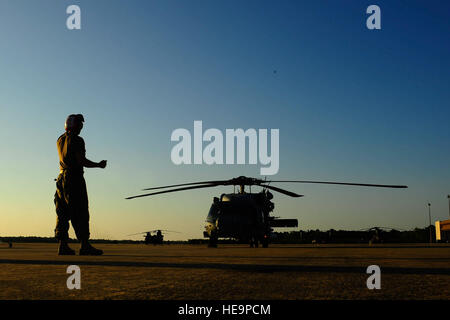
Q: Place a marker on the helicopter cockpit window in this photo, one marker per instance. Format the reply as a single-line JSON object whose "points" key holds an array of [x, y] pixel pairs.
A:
{"points": [[213, 213]]}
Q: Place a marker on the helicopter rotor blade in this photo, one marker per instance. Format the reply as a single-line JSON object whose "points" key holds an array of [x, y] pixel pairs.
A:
{"points": [[344, 183], [218, 182], [288, 193], [235, 181], [134, 234], [173, 190], [381, 228], [162, 230]]}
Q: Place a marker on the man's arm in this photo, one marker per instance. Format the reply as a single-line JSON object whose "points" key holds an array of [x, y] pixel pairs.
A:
{"points": [[82, 160], [90, 164], [80, 154]]}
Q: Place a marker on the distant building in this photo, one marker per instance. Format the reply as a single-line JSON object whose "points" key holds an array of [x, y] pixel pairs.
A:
{"points": [[443, 231]]}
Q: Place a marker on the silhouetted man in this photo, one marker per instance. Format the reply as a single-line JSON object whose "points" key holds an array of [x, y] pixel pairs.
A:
{"points": [[71, 199]]}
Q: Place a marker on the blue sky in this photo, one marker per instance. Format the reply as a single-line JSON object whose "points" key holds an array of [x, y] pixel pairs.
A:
{"points": [[351, 104]]}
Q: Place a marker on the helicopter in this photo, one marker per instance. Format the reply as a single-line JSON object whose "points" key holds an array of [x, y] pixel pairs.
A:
{"points": [[381, 234], [157, 238], [245, 216]]}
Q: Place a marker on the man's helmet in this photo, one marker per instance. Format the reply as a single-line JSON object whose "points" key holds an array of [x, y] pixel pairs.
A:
{"points": [[74, 121]]}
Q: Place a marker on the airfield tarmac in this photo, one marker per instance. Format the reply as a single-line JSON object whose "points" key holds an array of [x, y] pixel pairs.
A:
{"points": [[231, 272]]}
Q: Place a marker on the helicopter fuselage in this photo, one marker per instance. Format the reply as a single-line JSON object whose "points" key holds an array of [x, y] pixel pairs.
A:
{"points": [[242, 216], [155, 239]]}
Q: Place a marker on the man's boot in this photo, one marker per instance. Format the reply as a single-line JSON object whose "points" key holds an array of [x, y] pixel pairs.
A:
{"points": [[88, 250], [64, 249]]}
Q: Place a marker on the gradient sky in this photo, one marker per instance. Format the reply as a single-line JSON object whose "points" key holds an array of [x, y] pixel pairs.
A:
{"points": [[351, 105]]}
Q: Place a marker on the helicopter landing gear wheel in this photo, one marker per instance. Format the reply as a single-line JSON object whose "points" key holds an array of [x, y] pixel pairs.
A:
{"points": [[213, 241], [253, 242]]}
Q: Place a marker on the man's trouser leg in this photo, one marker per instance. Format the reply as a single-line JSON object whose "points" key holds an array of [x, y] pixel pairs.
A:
{"points": [[71, 204], [80, 214], [62, 212]]}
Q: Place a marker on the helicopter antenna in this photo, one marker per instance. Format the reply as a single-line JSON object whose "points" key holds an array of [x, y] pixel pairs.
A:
{"points": [[265, 181]]}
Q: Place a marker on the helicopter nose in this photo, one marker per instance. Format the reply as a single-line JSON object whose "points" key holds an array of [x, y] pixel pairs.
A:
{"points": [[211, 227]]}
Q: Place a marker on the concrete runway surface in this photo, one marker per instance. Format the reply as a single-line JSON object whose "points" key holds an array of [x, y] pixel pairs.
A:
{"points": [[232, 272]]}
